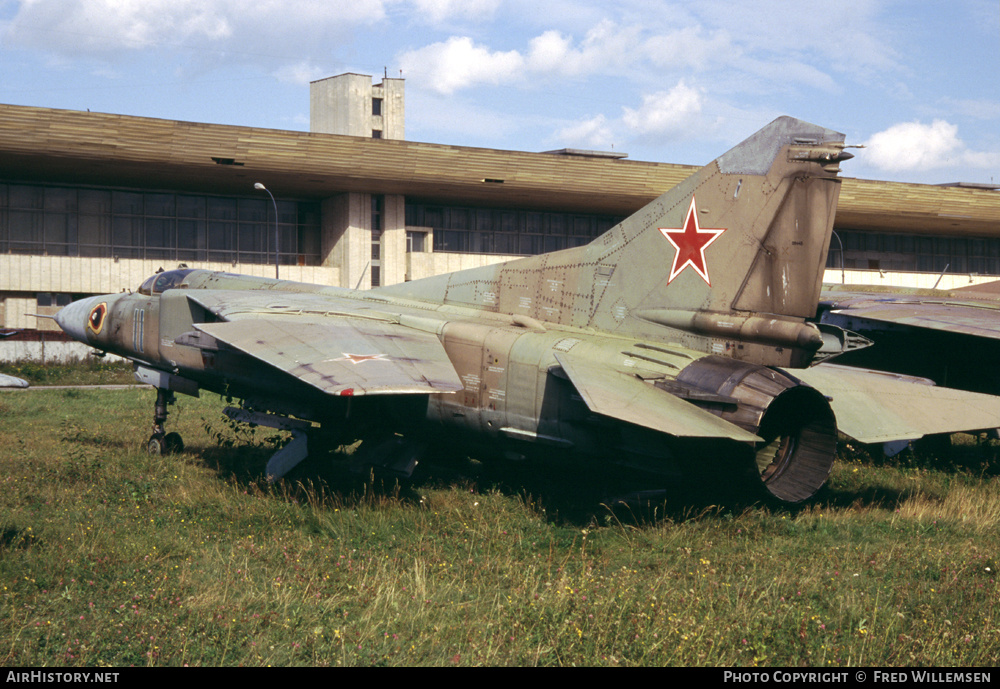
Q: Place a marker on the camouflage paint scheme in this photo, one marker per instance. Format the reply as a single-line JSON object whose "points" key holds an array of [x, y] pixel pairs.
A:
{"points": [[662, 345], [949, 336]]}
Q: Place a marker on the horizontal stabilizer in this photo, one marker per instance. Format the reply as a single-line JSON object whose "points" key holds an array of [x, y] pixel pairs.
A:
{"points": [[626, 398], [345, 356], [877, 407], [978, 319]]}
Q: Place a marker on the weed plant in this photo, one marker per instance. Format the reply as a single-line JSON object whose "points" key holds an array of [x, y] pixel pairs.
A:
{"points": [[112, 557]]}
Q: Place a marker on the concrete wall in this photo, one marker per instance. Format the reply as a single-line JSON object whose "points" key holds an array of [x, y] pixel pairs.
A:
{"points": [[393, 108], [72, 275], [47, 352], [394, 255], [426, 264], [343, 105], [891, 279], [346, 244]]}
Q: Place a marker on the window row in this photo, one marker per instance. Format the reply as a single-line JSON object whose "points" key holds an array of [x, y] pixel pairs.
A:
{"points": [[501, 231], [463, 241], [110, 223], [920, 253]]}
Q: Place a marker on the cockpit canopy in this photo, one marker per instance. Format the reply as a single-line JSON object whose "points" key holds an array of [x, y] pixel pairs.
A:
{"points": [[161, 282]]}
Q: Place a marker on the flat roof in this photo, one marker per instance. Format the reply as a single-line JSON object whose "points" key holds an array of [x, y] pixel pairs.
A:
{"points": [[75, 147]]}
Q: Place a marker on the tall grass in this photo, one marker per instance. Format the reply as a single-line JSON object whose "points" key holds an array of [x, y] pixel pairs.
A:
{"points": [[111, 557], [89, 371]]}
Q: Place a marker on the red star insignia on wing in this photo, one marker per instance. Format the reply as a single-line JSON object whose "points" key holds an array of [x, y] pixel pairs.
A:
{"points": [[691, 242], [359, 358]]}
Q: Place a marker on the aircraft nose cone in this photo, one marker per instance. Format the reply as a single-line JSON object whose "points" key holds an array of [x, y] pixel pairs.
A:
{"points": [[73, 318]]}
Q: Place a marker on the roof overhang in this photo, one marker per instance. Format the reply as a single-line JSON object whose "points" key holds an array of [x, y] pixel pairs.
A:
{"points": [[66, 146]]}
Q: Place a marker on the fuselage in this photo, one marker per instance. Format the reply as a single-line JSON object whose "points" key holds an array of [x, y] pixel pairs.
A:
{"points": [[512, 383], [527, 387]]}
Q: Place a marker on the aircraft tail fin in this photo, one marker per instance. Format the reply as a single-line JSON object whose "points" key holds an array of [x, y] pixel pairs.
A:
{"points": [[749, 232], [732, 257], [735, 253]]}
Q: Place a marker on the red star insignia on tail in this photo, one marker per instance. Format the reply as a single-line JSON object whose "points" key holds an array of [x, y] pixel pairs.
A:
{"points": [[691, 242]]}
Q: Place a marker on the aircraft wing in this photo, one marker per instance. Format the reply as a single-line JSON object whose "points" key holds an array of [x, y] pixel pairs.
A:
{"points": [[344, 356], [12, 382], [947, 311], [626, 398], [333, 345], [876, 407]]}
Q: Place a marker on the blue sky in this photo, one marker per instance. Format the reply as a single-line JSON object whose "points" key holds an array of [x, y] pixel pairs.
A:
{"points": [[665, 81]]}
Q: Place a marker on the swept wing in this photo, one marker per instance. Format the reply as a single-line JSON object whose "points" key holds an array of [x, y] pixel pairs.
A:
{"points": [[957, 311], [876, 407], [338, 351], [626, 398]]}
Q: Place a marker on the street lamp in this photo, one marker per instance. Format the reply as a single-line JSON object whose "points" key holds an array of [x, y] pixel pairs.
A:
{"points": [[277, 239]]}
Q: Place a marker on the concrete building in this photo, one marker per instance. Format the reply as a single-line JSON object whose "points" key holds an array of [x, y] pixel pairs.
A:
{"points": [[93, 203], [352, 105]]}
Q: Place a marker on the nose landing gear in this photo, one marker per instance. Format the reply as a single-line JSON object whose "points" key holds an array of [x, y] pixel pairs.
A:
{"points": [[161, 442]]}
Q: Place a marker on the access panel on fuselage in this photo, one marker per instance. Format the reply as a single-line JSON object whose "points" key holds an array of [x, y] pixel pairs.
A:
{"points": [[480, 354]]}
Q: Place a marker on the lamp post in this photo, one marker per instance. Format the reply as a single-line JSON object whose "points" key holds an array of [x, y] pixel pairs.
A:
{"points": [[277, 238]]}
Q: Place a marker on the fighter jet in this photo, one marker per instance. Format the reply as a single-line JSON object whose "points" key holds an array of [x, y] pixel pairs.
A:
{"points": [[949, 336], [676, 343]]}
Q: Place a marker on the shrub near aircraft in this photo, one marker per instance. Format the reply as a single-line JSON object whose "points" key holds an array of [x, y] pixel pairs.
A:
{"points": [[676, 342]]}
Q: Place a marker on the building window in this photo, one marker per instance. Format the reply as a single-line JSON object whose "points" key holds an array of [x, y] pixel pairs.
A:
{"points": [[415, 242], [378, 208], [919, 253], [104, 223], [378, 205], [376, 107], [376, 133], [44, 299], [502, 231]]}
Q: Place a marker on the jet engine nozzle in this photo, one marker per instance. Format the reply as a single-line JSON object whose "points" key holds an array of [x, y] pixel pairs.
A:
{"points": [[795, 421]]}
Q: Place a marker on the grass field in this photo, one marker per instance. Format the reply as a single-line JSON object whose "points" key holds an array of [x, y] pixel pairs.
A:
{"points": [[90, 371], [111, 557]]}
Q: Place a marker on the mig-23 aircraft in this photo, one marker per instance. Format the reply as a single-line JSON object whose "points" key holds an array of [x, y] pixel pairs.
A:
{"points": [[676, 343]]}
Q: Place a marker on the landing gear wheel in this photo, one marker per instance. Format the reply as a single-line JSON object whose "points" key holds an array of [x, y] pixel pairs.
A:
{"points": [[162, 443], [173, 443], [156, 446], [169, 444]]}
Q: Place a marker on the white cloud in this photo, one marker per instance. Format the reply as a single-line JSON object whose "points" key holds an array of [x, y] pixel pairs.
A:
{"points": [[980, 109], [789, 74], [105, 28], [550, 52], [608, 46], [460, 63], [300, 73], [857, 36], [440, 11], [690, 47], [605, 48], [914, 146], [594, 133], [666, 114]]}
